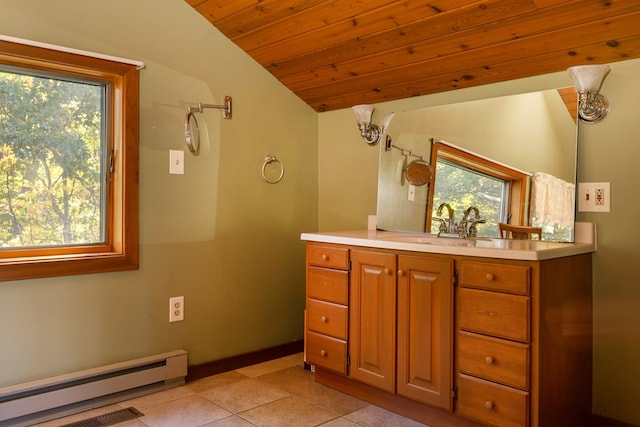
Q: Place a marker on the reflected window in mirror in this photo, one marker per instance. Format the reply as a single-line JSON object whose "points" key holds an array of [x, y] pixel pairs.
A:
{"points": [[465, 179]]}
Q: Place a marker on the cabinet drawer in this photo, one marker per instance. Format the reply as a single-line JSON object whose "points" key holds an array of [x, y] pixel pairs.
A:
{"points": [[491, 403], [506, 362], [494, 313], [327, 284], [328, 256], [499, 277], [326, 352], [327, 318]]}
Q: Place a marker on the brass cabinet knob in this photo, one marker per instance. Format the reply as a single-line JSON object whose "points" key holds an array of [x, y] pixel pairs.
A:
{"points": [[323, 319], [489, 277], [400, 273], [386, 271], [323, 353], [489, 360], [325, 257], [488, 404]]}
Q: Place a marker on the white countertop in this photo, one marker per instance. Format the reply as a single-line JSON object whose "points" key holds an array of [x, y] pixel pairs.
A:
{"points": [[528, 250]]}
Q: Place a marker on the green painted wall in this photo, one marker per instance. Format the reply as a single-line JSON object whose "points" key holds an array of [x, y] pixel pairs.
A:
{"points": [[218, 234], [609, 152], [230, 243]]}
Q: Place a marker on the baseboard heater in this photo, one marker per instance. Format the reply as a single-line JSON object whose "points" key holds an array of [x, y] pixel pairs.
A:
{"points": [[42, 400]]}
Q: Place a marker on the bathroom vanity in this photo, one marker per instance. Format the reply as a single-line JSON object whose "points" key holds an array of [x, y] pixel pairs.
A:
{"points": [[453, 332]]}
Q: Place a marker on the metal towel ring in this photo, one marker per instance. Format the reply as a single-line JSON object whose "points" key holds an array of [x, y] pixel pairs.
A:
{"points": [[268, 160]]}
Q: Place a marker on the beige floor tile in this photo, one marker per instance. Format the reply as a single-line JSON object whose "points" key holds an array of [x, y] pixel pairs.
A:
{"points": [[279, 393], [297, 358], [155, 399], [341, 422], [243, 395], [233, 421], [216, 381], [302, 383], [373, 416], [190, 411], [294, 380], [288, 412], [267, 367]]}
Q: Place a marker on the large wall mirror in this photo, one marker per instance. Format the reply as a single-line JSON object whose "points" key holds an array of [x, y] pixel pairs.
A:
{"points": [[533, 133]]}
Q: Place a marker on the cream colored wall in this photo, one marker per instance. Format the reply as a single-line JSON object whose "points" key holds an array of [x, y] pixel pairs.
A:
{"points": [[609, 152], [218, 234]]}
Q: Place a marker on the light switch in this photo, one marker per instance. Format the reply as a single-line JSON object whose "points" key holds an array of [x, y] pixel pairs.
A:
{"points": [[411, 196], [176, 162]]}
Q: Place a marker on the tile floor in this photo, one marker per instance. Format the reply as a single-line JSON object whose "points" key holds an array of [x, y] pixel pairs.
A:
{"points": [[278, 393]]}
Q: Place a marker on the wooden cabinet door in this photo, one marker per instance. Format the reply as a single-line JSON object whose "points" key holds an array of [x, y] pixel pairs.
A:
{"points": [[425, 330], [372, 319]]}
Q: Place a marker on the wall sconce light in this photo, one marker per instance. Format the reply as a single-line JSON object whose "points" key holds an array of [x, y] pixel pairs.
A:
{"points": [[372, 134], [592, 106]]}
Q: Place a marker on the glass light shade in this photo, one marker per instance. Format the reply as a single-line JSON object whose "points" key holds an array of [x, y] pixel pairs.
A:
{"points": [[588, 78], [363, 113], [386, 120]]}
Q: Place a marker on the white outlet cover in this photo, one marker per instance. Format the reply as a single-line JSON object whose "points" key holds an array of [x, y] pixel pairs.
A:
{"points": [[176, 309], [587, 197]]}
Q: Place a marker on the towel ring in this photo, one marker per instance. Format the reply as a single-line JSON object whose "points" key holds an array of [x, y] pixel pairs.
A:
{"points": [[267, 161]]}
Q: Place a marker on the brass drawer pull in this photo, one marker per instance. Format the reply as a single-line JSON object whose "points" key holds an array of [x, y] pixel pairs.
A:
{"points": [[489, 277], [323, 353], [488, 404], [323, 319], [489, 360], [325, 257]]}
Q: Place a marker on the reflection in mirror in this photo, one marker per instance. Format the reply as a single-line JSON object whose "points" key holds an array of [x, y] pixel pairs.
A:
{"points": [[465, 179], [535, 133], [418, 172]]}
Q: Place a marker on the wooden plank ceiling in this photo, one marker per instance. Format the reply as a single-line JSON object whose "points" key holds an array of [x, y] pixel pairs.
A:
{"points": [[338, 53]]}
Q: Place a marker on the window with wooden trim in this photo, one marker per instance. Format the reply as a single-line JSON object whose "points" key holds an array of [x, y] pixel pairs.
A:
{"points": [[463, 179], [68, 163]]}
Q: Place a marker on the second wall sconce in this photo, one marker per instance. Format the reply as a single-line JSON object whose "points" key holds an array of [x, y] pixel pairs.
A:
{"points": [[371, 133], [191, 129], [592, 106]]}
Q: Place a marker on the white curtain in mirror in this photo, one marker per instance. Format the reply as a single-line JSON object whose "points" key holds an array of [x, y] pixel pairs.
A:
{"points": [[554, 200]]}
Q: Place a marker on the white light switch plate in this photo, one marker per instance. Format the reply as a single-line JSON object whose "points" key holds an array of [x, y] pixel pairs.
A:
{"points": [[176, 162], [411, 196], [594, 197]]}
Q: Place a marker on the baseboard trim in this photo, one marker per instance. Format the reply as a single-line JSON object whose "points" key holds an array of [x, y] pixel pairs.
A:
{"points": [[195, 372], [601, 421]]}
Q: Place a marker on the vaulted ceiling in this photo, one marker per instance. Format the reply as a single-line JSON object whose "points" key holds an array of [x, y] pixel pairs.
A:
{"points": [[338, 53]]}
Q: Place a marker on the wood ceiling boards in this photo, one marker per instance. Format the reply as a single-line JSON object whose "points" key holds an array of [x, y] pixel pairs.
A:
{"points": [[338, 53]]}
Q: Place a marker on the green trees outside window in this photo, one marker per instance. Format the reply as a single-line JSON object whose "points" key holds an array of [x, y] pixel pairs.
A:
{"points": [[52, 161], [462, 187]]}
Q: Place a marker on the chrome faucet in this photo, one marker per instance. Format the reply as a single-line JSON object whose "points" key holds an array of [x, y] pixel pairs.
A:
{"points": [[450, 224], [476, 213], [468, 227]]}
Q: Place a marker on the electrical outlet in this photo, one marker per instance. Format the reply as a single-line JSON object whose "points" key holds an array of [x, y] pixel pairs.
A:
{"points": [[594, 197], [176, 309]]}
